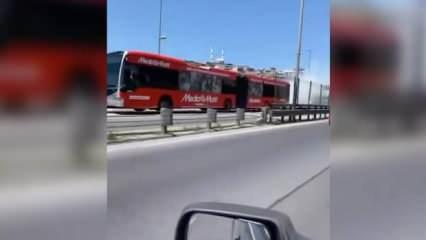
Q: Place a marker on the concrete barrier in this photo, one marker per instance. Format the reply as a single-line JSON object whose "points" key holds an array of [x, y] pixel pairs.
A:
{"points": [[240, 115], [211, 117], [166, 115]]}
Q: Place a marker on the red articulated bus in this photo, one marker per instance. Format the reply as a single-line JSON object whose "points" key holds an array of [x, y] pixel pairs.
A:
{"points": [[149, 80], [264, 91], [141, 80]]}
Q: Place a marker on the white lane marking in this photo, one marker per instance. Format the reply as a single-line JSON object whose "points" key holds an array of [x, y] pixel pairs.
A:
{"points": [[298, 187]]}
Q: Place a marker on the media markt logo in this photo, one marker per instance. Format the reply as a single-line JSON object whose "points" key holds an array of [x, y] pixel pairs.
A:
{"points": [[153, 62], [254, 100], [199, 98]]}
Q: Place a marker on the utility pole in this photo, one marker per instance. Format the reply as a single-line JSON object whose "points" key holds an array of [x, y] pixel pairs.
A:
{"points": [[309, 59], [211, 55], [160, 34], [299, 49], [310, 92]]}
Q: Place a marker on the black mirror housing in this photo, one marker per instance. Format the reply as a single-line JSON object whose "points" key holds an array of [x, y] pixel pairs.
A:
{"points": [[278, 224]]}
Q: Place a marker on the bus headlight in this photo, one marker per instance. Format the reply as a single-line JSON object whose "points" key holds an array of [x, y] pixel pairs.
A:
{"points": [[114, 101]]}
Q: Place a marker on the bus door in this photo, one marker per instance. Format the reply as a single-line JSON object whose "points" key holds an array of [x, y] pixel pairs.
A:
{"points": [[242, 92]]}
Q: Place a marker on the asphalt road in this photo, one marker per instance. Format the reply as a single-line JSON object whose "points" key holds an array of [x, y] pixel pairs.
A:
{"points": [[309, 207], [149, 183], [378, 189]]}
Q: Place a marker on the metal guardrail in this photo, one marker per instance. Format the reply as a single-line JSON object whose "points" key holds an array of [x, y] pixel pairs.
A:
{"points": [[206, 119], [294, 112], [289, 112], [155, 122], [167, 118]]}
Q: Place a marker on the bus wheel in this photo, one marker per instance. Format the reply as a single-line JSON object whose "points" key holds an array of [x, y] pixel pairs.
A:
{"points": [[228, 105], [165, 103]]}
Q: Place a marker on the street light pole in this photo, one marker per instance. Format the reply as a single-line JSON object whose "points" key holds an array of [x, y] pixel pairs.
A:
{"points": [[160, 37], [309, 59], [299, 49]]}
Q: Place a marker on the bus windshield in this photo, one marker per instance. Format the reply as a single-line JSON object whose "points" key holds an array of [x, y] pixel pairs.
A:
{"points": [[114, 62]]}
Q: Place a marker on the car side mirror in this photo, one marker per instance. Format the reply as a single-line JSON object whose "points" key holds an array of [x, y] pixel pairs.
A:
{"points": [[211, 220]]}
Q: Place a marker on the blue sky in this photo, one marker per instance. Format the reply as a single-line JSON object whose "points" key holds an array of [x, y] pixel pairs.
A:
{"points": [[259, 33]]}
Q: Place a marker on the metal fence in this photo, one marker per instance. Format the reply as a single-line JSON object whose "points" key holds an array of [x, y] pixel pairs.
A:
{"points": [[312, 93]]}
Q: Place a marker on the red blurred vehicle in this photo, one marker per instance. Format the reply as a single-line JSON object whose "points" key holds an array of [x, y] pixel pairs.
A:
{"points": [[52, 63], [142, 80], [365, 72], [51, 51], [364, 55]]}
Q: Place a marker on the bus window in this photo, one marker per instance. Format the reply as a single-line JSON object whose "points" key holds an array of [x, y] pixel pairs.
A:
{"points": [[199, 82], [255, 89], [206, 82], [150, 77], [130, 79], [114, 62], [268, 90], [282, 91], [184, 81], [194, 81], [228, 86], [216, 85]]}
